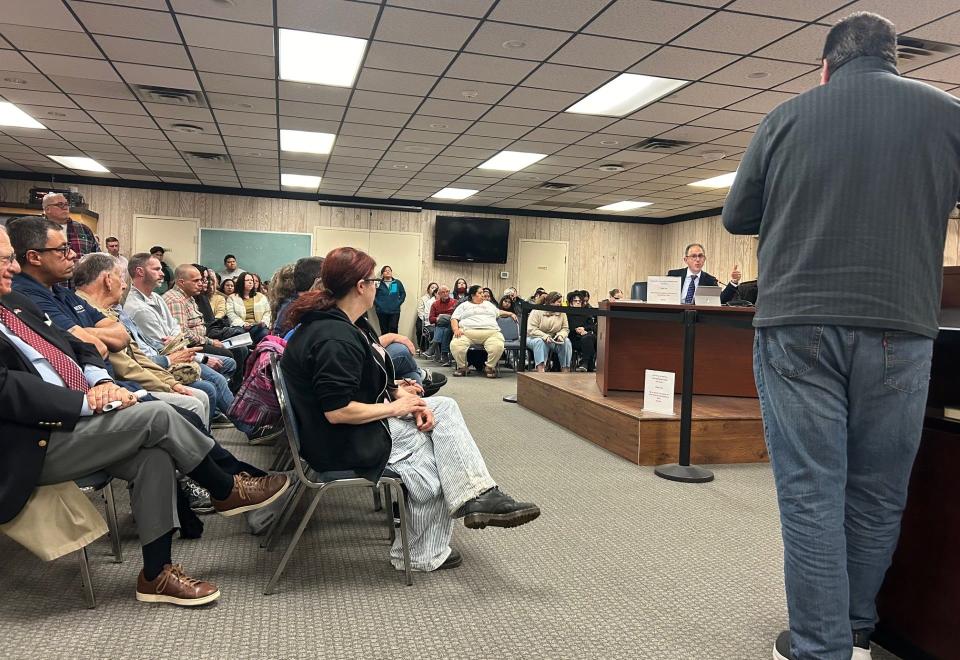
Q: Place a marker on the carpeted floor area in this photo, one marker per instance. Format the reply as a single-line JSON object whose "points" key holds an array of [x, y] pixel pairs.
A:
{"points": [[621, 564]]}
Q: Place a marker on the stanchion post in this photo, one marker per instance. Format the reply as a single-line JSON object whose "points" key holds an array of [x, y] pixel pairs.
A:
{"points": [[522, 364]]}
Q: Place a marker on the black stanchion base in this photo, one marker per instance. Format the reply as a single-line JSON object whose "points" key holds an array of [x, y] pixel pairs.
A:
{"points": [[690, 474], [510, 398]]}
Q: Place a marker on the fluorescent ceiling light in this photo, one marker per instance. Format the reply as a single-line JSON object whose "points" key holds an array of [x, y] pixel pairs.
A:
{"points": [[322, 59], [624, 94], [79, 163], [511, 161], [306, 142], [455, 193], [299, 180], [722, 181], [11, 115], [624, 206]]}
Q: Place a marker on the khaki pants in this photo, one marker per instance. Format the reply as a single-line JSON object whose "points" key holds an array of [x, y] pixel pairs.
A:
{"points": [[491, 338]]}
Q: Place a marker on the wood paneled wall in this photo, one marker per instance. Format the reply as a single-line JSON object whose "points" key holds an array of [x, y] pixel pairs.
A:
{"points": [[601, 255]]}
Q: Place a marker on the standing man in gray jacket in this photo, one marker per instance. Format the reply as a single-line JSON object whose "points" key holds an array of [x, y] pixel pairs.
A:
{"points": [[849, 187]]}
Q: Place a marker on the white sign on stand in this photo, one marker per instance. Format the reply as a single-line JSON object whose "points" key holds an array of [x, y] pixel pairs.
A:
{"points": [[658, 391], [663, 290]]}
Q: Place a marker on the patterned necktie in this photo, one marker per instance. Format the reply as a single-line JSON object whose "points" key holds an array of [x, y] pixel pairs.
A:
{"points": [[60, 361], [688, 299]]}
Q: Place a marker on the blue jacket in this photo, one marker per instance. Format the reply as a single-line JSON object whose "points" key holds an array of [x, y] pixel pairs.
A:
{"points": [[390, 295]]}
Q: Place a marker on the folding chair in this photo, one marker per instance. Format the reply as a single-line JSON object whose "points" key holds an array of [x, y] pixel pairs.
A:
{"points": [[320, 483], [99, 481], [510, 330]]}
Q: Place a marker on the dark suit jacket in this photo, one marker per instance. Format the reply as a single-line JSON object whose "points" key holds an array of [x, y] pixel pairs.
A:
{"points": [[706, 279], [30, 408]]}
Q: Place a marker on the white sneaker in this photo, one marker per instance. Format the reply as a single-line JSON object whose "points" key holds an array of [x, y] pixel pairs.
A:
{"points": [[861, 654], [781, 649]]}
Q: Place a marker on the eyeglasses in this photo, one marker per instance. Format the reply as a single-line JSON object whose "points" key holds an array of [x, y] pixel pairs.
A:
{"points": [[8, 260], [376, 281], [696, 256], [59, 205], [64, 250]]}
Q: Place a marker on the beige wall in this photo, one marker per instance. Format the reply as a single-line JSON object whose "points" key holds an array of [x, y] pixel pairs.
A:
{"points": [[601, 255]]}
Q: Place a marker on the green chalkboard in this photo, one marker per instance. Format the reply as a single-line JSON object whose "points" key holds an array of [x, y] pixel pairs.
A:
{"points": [[261, 252]]}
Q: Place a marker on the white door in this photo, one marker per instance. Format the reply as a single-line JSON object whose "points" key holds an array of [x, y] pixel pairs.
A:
{"points": [[401, 251], [328, 238], [542, 264], [178, 236]]}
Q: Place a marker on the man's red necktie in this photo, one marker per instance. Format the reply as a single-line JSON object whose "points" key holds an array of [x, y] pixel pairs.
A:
{"points": [[60, 361]]}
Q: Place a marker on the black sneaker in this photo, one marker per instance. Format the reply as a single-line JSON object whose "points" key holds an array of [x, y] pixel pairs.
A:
{"points": [[221, 421], [497, 509], [453, 560], [199, 497], [432, 382], [781, 648], [265, 435]]}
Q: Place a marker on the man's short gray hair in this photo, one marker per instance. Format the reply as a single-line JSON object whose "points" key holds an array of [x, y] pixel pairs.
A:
{"points": [[183, 270], [49, 197], [686, 250], [92, 266]]}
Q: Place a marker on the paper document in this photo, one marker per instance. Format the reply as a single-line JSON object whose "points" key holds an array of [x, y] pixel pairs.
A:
{"points": [[663, 290], [658, 391], [238, 341]]}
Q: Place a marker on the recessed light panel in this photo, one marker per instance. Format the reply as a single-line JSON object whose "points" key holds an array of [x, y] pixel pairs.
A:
{"points": [[511, 161], [299, 180], [722, 181], [455, 193], [306, 142], [624, 206], [624, 94], [11, 115], [321, 59], [79, 163]]}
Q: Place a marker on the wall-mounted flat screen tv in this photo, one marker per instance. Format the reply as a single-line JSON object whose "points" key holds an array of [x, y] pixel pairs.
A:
{"points": [[477, 240]]}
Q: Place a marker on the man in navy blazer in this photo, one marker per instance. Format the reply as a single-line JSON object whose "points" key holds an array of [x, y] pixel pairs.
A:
{"points": [[695, 257]]}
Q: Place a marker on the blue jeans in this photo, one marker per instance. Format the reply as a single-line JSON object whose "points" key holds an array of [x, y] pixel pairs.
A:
{"points": [[404, 366], [442, 336], [842, 412], [223, 397], [542, 350], [227, 368]]}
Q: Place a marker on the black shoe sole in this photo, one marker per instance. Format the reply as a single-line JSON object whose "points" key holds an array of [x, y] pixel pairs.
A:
{"points": [[454, 560], [513, 519]]}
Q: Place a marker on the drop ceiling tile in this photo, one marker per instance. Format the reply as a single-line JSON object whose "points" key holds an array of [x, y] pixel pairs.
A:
{"points": [[947, 71], [539, 44], [474, 8], [76, 67], [709, 95], [730, 119], [395, 82], [242, 103], [157, 76], [555, 135], [122, 132], [478, 145], [383, 101], [363, 142], [540, 99], [469, 91], [301, 124], [250, 143], [103, 88], [489, 129], [638, 128], [412, 59], [120, 49], [54, 15], [644, 20], [120, 106], [311, 110], [244, 11], [535, 147], [62, 126], [257, 132], [517, 116], [763, 102], [180, 113], [682, 63], [221, 35], [747, 73], [439, 124], [428, 137], [307, 93], [42, 40], [348, 19], [801, 83], [243, 86], [735, 33], [369, 130], [376, 117], [805, 45], [455, 109], [602, 52], [126, 22], [673, 113], [694, 134], [904, 15], [568, 78], [63, 114], [557, 14], [25, 80], [240, 64], [248, 118], [608, 140], [26, 96], [424, 29]]}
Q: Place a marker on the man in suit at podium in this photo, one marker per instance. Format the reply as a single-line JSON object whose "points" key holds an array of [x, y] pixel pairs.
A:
{"points": [[849, 186], [694, 276]]}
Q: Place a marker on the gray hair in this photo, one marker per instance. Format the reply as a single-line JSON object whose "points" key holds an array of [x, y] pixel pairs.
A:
{"points": [[49, 197], [92, 266], [686, 250], [182, 270]]}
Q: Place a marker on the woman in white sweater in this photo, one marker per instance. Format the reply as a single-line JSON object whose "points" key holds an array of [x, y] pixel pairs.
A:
{"points": [[248, 308], [474, 321], [547, 333]]}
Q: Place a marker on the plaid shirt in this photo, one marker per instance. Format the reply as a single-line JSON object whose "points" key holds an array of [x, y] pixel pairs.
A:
{"points": [[81, 238], [185, 311]]}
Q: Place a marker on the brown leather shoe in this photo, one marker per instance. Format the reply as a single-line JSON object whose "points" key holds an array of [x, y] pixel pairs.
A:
{"points": [[460, 371], [490, 372], [174, 587], [251, 493]]}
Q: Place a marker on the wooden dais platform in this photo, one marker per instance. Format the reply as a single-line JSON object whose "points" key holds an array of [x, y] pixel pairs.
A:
{"points": [[725, 429]]}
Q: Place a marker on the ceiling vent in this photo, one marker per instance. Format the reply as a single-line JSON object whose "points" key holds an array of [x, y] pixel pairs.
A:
{"points": [[917, 50], [557, 186], [659, 144], [187, 98], [207, 156], [186, 128]]}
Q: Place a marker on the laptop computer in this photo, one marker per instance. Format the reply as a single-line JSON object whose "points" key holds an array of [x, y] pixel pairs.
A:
{"points": [[708, 296]]}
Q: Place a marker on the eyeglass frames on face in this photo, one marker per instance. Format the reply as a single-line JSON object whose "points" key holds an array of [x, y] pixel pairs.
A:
{"points": [[376, 281], [9, 260], [64, 250], [699, 255], [59, 205]]}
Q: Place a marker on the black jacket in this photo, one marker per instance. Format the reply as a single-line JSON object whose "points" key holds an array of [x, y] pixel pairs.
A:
{"points": [[849, 186], [30, 408], [328, 363], [706, 279]]}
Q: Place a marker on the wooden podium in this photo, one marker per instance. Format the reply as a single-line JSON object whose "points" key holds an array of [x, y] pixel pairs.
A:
{"points": [[652, 338]]}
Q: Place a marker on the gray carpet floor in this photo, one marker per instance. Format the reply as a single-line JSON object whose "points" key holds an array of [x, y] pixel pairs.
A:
{"points": [[621, 564]]}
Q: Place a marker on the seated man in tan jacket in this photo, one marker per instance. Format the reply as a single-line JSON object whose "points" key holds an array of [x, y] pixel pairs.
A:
{"points": [[99, 281]]}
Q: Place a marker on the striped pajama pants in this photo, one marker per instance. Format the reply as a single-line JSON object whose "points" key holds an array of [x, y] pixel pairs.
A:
{"points": [[442, 470]]}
